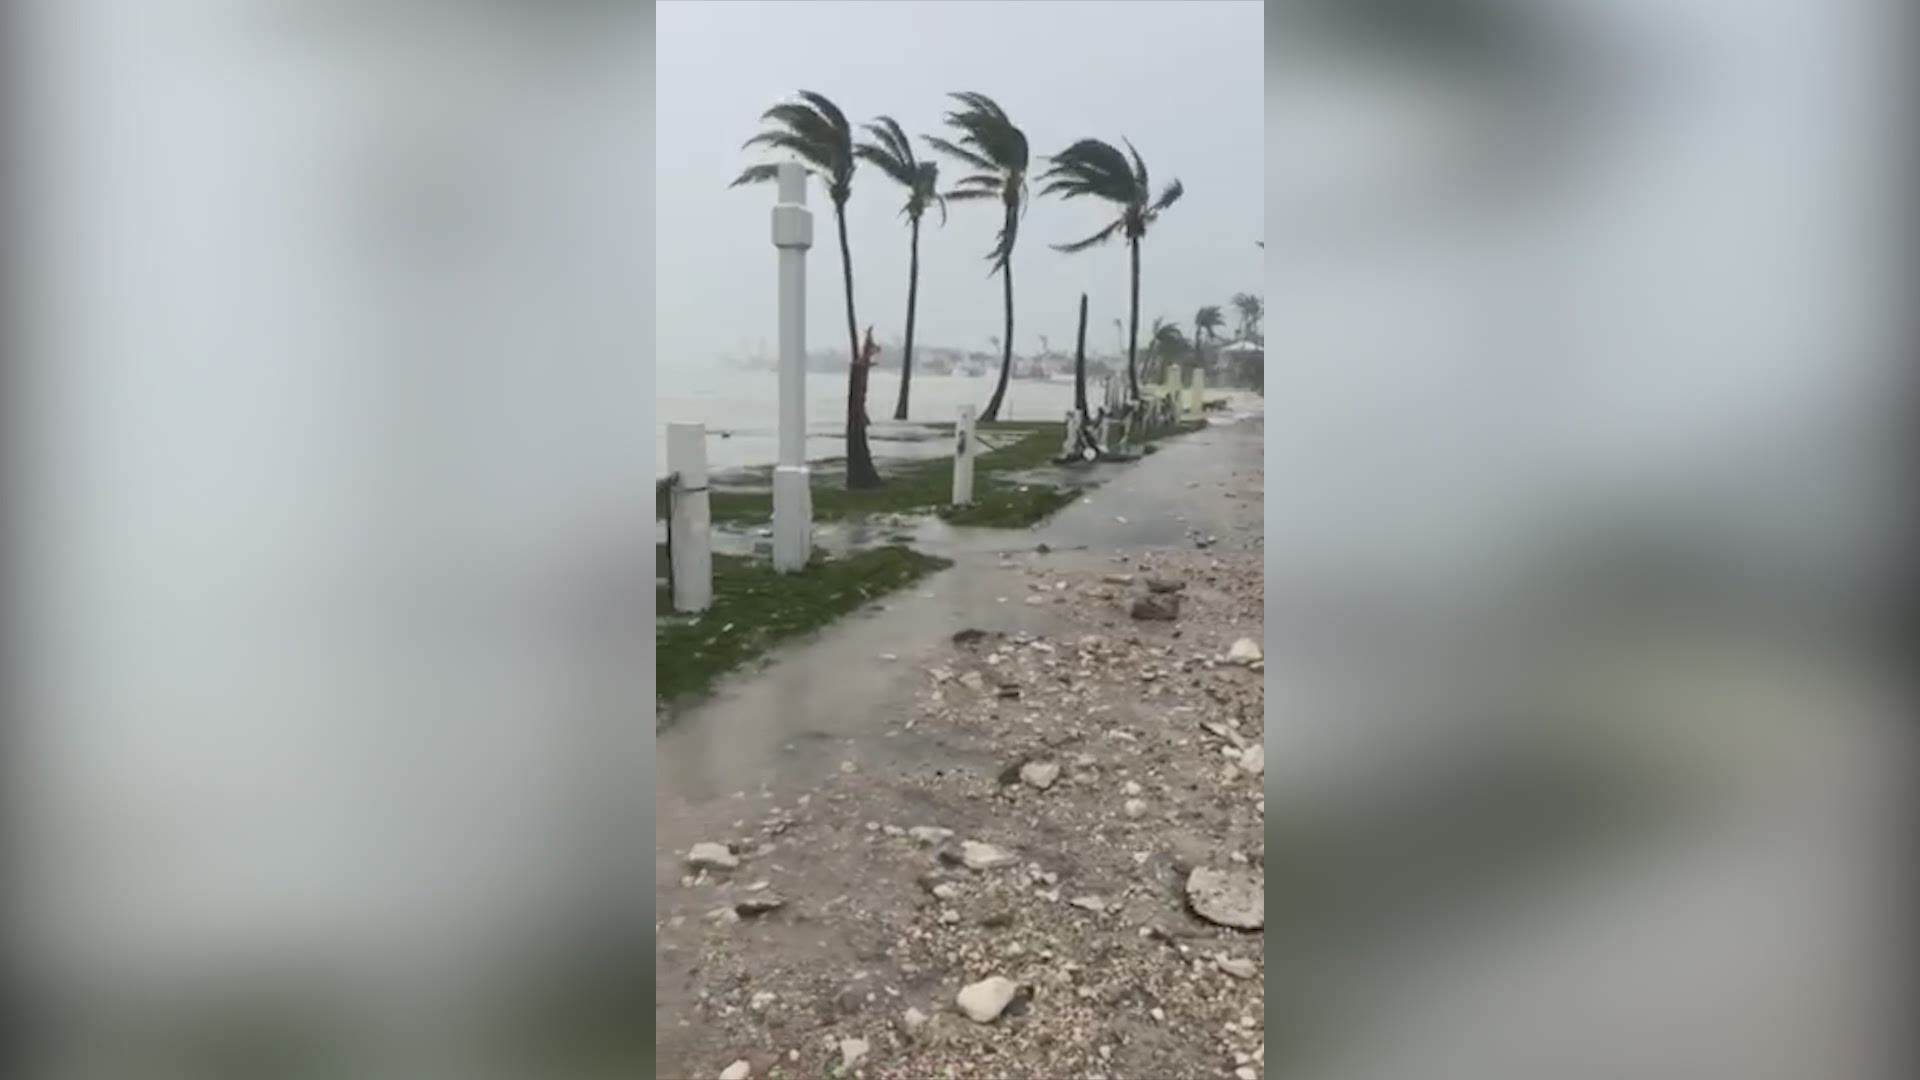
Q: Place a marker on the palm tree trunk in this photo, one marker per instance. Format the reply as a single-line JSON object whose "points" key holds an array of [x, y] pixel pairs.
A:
{"points": [[1080, 363], [860, 470], [1133, 319], [913, 292], [992, 410]]}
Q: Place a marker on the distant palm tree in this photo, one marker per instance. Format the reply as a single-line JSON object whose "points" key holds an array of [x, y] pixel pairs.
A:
{"points": [[991, 143], [818, 134], [1092, 167], [1165, 344], [893, 154], [1251, 309], [1206, 326]]}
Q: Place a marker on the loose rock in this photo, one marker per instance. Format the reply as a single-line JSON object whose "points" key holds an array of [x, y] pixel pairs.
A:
{"points": [[1040, 774], [984, 1001], [852, 1051], [1235, 898], [739, 1070], [1254, 760], [930, 834], [711, 856], [1156, 608], [1238, 966], [981, 856], [1164, 585]]}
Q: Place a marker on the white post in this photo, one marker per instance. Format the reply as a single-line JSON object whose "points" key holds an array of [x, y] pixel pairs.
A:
{"points": [[1198, 402], [1175, 383], [692, 541], [1071, 447], [963, 449], [792, 490]]}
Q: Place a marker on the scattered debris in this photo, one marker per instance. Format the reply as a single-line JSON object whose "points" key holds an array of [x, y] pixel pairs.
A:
{"points": [[984, 1001]]}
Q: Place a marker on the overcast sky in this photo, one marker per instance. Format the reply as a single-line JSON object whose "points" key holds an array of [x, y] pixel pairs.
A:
{"points": [[1181, 80]]}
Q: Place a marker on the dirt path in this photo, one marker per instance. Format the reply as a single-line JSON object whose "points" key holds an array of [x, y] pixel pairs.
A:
{"points": [[854, 778]]}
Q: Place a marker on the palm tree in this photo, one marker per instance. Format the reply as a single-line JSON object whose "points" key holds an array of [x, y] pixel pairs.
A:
{"points": [[1251, 308], [1092, 167], [818, 134], [1165, 343], [992, 144], [1206, 326], [893, 154]]}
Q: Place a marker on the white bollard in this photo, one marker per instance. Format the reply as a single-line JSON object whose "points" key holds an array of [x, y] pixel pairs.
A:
{"points": [[1197, 403], [792, 484], [963, 451], [1176, 389], [692, 540], [1070, 447]]}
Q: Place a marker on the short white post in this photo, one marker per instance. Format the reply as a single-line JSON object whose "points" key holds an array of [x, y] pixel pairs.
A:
{"points": [[963, 450], [1198, 399], [1071, 446], [692, 541], [1175, 378], [792, 485]]}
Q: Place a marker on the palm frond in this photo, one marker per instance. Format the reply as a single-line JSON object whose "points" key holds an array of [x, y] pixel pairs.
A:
{"points": [[756, 174], [813, 152], [898, 171], [802, 121], [1168, 196], [972, 158], [830, 111], [1096, 239], [970, 195]]}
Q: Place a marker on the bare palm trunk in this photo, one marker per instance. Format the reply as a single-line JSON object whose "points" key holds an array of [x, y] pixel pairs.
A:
{"points": [[1080, 363], [913, 292], [860, 470], [1133, 320], [992, 410]]}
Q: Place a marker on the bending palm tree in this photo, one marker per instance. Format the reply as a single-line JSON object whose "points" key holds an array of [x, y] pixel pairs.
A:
{"points": [[1251, 308], [1092, 167], [1165, 343], [818, 134], [992, 144], [1206, 326], [894, 155]]}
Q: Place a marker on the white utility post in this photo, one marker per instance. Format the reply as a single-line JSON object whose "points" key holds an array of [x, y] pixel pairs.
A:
{"points": [[792, 490], [1175, 378], [691, 537], [1199, 395], [963, 450]]}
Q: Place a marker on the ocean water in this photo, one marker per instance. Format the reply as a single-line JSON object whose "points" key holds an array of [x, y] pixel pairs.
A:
{"points": [[742, 411]]}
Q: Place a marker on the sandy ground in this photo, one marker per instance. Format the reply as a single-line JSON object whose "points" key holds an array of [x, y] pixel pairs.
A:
{"points": [[1140, 745]]}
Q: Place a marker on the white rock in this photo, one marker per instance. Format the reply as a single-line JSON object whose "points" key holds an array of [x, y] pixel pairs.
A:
{"points": [[1254, 760], [1040, 774], [852, 1051], [1131, 787], [1235, 898], [711, 856], [1244, 651], [930, 834], [981, 856], [913, 1020], [1238, 966], [984, 1001], [739, 1070], [1245, 1072], [1090, 903], [761, 1000], [1135, 807], [946, 890]]}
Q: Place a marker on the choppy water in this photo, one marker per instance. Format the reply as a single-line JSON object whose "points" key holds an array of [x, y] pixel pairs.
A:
{"points": [[742, 411]]}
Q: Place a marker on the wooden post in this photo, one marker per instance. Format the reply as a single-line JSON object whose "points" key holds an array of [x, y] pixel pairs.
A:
{"points": [[690, 521], [963, 450]]}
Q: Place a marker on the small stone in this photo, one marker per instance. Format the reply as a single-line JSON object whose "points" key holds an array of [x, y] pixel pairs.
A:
{"points": [[984, 1001], [761, 1000], [848, 766], [1238, 966], [1090, 903], [739, 1070], [1245, 1072], [1159, 1014], [1036, 601], [711, 856], [1131, 787], [1243, 651], [889, 657], [1118, 579], [852, 1052], [759, 904], [1254, 760], [947, 890], [1164, 585], [1156, 608], [1234, 898], [1135, 807], [981, 856], [1040, 774], [913, 1020], [930, 834], [974, 681]]}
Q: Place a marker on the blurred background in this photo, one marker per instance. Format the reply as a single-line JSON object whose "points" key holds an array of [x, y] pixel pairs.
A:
{"points": [[1586, 528]]}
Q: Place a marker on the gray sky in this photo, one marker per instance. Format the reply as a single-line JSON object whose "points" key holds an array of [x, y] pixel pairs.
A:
{"points": [[1181, 80]]}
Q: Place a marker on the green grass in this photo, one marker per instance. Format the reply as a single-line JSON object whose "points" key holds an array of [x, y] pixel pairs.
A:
{"points": [[755, 609], [922, 486]]}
